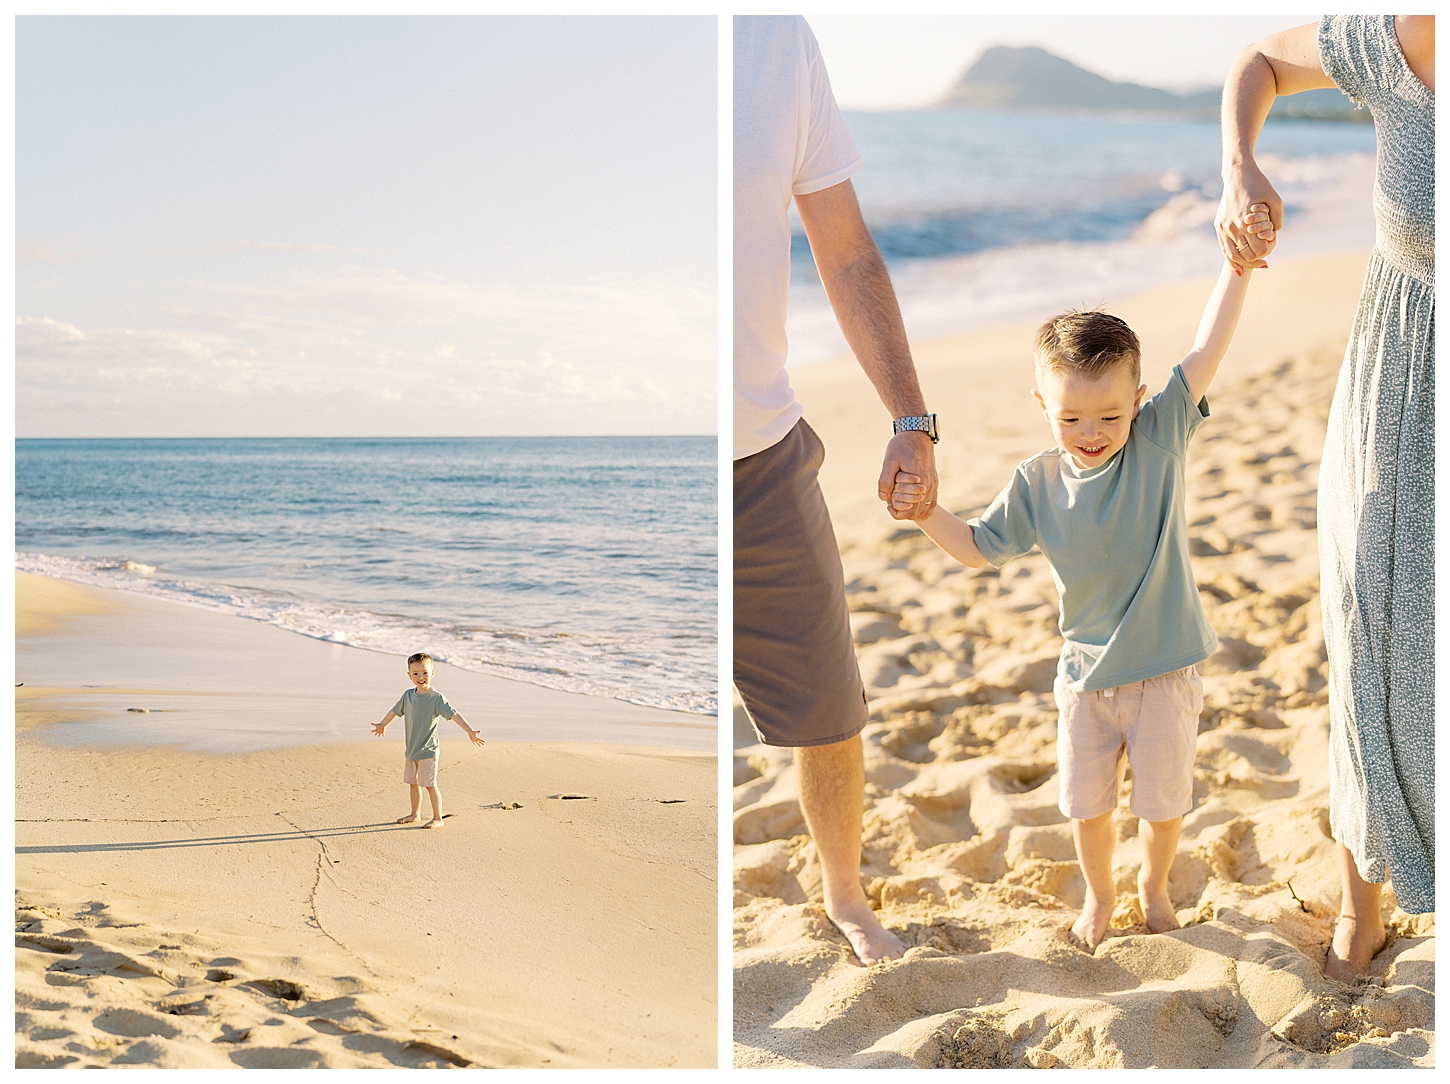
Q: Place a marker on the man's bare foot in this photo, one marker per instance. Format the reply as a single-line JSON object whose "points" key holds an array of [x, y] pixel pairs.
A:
{"points": [[436, 822], [1087, 932], [411, 818], [1157, 910], [1355, 944], [870, 941]]}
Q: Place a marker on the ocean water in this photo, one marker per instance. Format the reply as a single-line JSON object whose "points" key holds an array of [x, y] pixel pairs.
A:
{"points": [[988, 218], [586, 564]]}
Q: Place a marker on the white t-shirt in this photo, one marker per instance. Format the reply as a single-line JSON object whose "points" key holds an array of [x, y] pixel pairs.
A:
{"points": [[790, 139]]}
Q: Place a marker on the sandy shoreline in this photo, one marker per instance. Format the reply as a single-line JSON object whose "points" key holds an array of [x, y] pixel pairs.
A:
{"points": [[189, 908], [965, 852], [213, 681]]}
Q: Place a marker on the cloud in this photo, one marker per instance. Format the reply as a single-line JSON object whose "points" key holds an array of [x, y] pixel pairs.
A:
{"points": [[360, 350], [37, 251]]}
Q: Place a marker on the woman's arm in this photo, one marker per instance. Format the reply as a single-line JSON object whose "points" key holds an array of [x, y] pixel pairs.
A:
{"points": [[1283, 63], [1416, 34]]}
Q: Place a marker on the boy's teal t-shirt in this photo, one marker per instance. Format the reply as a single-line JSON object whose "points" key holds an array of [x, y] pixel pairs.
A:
{"points": [[1117, 539], [420, 712]]}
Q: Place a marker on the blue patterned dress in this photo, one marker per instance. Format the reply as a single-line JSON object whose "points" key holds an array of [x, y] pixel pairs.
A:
{"points": [[1377, 490]]}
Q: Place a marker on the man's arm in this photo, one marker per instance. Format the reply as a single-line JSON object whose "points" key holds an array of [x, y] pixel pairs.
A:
{"points": [[856, 281], [472, 734], [378, 728], [1283, 63], [1215, 330]]}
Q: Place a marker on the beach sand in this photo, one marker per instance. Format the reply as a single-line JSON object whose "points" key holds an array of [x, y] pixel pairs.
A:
{"points": [[965, 852], [178, 905]]}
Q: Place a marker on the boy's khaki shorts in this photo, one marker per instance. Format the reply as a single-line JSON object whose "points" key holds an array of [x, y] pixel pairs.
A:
{"points": [[1155, 722], [421, 773]]}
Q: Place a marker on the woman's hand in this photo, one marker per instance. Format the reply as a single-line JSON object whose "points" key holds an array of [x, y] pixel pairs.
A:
{"points": [[1249, 204]]}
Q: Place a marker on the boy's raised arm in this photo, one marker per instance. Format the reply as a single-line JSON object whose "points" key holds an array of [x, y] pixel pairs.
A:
{"points": [[472, 734], [1216, 329]]}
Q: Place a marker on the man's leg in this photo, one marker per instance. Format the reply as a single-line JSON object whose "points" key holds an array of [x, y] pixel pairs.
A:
{"points": [[832, 787], [1360, 932]]}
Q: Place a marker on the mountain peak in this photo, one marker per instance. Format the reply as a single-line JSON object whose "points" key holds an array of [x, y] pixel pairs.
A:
{"points": [[1030, 79]]}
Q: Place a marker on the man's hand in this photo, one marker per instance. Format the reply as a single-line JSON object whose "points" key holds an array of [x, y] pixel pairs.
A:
{"points": [[910, 453]]}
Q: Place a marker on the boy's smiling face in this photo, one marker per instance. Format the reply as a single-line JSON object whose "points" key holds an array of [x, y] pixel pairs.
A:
{"points": [[421, 674], [1090, 416]]}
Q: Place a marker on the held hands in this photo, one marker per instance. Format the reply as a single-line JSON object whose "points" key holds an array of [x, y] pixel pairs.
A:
{"points": [[1249, 218], [908, 453], [907, 492]]}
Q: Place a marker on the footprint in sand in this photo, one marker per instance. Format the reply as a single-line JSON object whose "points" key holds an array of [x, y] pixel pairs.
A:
{"points": [[86, 1003]]}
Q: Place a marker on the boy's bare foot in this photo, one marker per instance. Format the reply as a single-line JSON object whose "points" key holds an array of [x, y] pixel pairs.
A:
{"points": [[411, 818], [870, 941], [436, 822], [1355, 944], [1157, 910], [1087, 932]]}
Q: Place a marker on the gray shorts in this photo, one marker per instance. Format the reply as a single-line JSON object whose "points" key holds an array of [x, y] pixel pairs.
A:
{"points": [[795, 663]]}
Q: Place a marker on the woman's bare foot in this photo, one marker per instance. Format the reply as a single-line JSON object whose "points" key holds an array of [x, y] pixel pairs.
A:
{"points": [[411, 818], [870, 941], [1356, 942], [1087, 932], [436, 822], [1360, 932], [1158, 910]]}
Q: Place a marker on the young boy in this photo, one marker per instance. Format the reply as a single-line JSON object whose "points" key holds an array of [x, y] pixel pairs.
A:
{"points": [[1106, 507], [421, 707]]}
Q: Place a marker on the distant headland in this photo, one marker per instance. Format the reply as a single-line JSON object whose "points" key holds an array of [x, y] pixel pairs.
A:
{"points": [[1032, 80]]}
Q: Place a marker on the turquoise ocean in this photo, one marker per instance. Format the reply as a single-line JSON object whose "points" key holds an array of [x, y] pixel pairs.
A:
{"points": [[995, 218], [584, 564]]}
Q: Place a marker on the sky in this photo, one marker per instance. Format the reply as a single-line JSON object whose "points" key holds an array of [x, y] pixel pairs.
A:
{"points": [[884, 62], [268, 226]]}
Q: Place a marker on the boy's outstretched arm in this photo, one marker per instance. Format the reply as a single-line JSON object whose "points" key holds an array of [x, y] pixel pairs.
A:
{"points": [[472, 734], [378, 728], [1216, 329], [951, 534], [954, 536]]}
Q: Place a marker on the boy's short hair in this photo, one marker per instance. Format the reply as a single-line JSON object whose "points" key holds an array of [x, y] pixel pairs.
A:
{"points": [[421, 656], [1091, 343]]}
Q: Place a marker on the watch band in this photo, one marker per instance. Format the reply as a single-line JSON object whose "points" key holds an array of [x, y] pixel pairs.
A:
{"points": [[921, 423]]}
